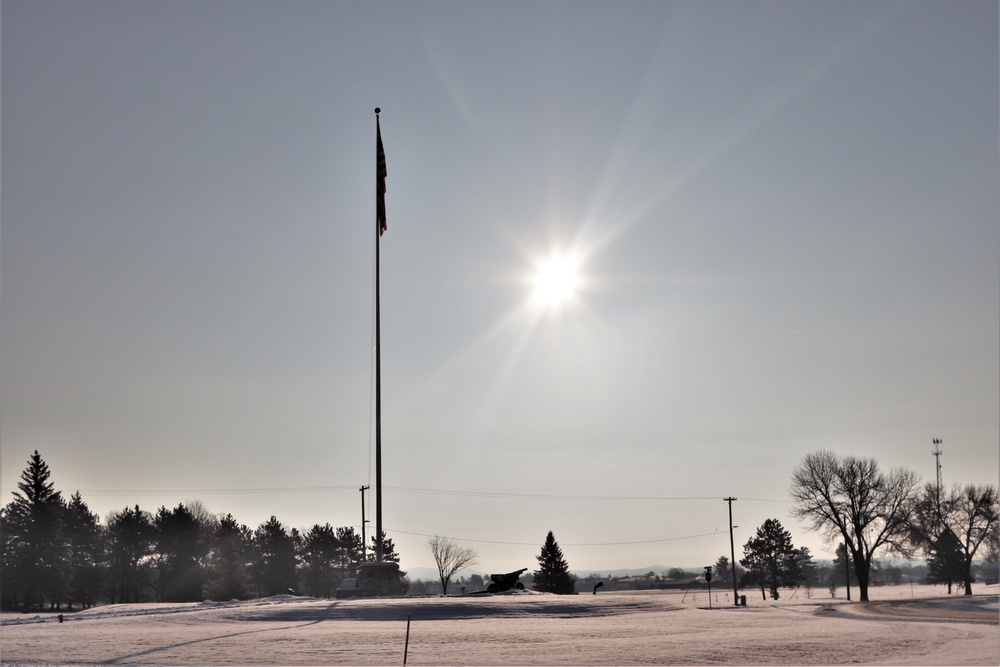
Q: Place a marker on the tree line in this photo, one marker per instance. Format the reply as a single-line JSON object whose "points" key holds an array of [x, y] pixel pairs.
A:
{"points": [[55, 552]]}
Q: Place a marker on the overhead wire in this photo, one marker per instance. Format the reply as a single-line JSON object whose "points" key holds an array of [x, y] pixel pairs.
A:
{"points": [[567, 544], [400, 489]]}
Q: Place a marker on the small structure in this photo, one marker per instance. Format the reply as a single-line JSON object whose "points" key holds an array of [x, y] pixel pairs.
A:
{"points": [[505, 582], [381, 579], [348, 588], [373, 580]]}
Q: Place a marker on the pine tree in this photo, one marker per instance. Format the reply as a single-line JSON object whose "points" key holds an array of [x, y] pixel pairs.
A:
{"points": [[723, 571], [35, 562], [946, 564], [553, 575], [319, 556], [179, 550], [83, 537], [130, 540], [770, 556], [275, 567], [229, 558], [388, 549], [349, 551], [807, 567]]}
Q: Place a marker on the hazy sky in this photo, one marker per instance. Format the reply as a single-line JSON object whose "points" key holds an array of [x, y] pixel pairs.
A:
{"points": [[785, 214]]}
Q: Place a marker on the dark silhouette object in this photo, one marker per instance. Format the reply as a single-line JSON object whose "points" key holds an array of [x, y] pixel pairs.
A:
{"points": [[180, 548], [946, 564], [274, 547], [771, 558], [597, 585], [60, 617], [553, 575], [32, 528], [381, 580], [505, 582]]}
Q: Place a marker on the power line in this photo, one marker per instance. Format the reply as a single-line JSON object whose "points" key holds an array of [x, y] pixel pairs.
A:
{"points": [[210, 492], [580, 544], [397, 489], [537, 496], [552, 496]]}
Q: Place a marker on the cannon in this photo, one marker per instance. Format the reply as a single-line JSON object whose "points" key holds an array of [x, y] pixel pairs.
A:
{"points": [[505, 582]]}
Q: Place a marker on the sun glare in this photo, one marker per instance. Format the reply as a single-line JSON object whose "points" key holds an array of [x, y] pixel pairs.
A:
{"points": [[555, 281]]}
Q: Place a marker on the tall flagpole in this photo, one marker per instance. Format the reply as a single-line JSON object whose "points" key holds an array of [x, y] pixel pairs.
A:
{"points": [[379, 224]]}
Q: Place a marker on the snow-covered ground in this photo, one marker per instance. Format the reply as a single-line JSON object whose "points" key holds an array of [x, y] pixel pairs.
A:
{"points": [[901, 626]]}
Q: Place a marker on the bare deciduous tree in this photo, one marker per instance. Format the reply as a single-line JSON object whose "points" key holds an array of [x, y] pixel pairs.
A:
{"points": [[849, 498], [971, 512], [450, 558]]}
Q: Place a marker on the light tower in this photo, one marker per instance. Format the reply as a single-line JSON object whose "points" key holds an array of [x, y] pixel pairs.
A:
{"points": [[937, 456]]}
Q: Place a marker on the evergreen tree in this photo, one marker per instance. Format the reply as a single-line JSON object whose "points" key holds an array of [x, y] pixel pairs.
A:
{"points": [[946, 564], [810, 576], [349, 553], [8, 600], [86, 553], [772, 558], [274, 570], [179, 552], [553, 575], [320, 556], [723, 571], [35, 558], [388, 549], [229, 558], [130, 537]]}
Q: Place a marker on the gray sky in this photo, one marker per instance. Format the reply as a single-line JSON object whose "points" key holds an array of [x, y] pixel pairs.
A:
{"points": [[785, 217]]}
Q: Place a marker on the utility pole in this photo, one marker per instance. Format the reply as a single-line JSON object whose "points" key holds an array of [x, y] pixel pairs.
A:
{"points": [[364, 544], [847, 570], [732, 549]]}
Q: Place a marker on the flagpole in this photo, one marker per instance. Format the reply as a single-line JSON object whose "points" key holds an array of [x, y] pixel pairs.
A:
{"points": [[378, 365]]}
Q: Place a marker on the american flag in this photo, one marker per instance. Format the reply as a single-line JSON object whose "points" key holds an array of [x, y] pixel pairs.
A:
{"points": [[380, 181]]}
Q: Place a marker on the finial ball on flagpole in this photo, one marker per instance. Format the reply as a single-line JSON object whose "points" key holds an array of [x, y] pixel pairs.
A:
{"points": [[377, 110]]}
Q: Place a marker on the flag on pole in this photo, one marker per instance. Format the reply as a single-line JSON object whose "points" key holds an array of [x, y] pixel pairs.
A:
{"points": [[380, 181]]}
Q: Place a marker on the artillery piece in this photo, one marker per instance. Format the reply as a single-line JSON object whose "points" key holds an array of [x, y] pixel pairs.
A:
{"points": [[505, 582]]}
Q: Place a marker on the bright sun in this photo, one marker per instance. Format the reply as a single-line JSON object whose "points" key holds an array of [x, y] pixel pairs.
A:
{"points": [[555, 281]]}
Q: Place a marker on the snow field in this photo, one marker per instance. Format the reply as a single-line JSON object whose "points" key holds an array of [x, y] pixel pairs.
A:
{"points": [[901, 626]]}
